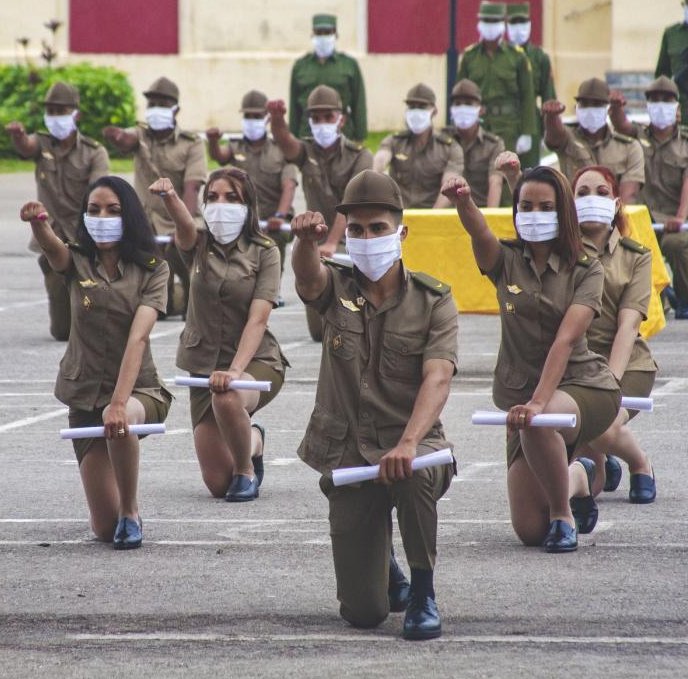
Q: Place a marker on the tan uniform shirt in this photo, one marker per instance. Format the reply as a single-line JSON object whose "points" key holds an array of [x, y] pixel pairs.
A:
{"points": [[666, 168], [225, 279], [621, 154], [419, 171], [102, 314], [479, 160], [180, 157], [266, 166], [62, 178], [325, 176], [531, 308], [371, 367], [627, 285]]}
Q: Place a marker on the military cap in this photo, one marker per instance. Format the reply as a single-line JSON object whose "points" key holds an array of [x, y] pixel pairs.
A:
{"points": [[518, 10], [664, 85], [420, 94], [323, 98], [163, 87], [321, 21], [62, 94], [492, 10], [466, 88], [371, 189], [254, 102], [594, 88]]}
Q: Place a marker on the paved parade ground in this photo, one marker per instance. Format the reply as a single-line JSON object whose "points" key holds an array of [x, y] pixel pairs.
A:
{"points": [[247, 590]]}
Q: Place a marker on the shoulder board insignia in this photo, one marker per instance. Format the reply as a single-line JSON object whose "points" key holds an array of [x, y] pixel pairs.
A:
{"points": [[432, 284], [353, 145], [445, 139], [584, 260], [338, 264], [633, 245], [89, 142], [148, 261], [263, 241], [188, 135], [624, 138]]}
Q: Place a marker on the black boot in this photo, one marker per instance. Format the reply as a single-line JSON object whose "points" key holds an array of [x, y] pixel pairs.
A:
{"points": [[399, 587], [422, 619]]}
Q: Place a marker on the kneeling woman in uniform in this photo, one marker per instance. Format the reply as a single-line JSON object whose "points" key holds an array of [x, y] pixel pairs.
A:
{"points": [[548, 290], [235, 277], [117, 287], [614, 334]]}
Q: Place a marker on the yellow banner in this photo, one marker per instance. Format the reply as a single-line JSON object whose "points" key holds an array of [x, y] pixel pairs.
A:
{"points": [[438, 245]]}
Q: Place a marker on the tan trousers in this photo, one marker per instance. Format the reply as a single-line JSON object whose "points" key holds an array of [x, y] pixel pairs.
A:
{"points": [[675, 248]]}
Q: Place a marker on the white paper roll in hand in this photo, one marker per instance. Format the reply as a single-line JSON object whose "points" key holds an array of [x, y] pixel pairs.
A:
{"points": [[99, 432], [556, 420], [347, 475], [660, 227], [162, 239], [239, 385], [637, 403], [284, 226]]}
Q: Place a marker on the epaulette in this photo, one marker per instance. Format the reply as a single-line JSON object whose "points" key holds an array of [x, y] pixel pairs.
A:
{"points": [[338, 264], [353, 145], [261, 240], [188, 135], [584, 260], [624, 138], [147, 260], [443, 138], [432, 284], [633, 245], [90, 142], [73, 245]]}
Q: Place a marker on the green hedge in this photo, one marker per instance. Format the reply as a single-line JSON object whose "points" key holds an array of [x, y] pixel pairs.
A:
{"points": [[107, 98]]}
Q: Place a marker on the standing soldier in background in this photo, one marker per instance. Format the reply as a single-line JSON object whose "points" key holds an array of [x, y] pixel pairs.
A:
{"points": [[66, 163], [503, 74], [325, 66], [518, 31], [673, 58], [161, 149], [419, 159], [259, 156]]}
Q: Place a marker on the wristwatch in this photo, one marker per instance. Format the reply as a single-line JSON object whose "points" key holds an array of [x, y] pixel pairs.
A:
{"points": [[286, 216]]}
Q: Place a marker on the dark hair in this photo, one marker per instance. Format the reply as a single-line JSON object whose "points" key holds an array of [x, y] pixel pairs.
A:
{"points": [[568, 244], [138, 239], [620, 221]]}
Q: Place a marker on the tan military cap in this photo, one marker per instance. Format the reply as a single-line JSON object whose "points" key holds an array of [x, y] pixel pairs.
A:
{"points": [[466, 88], [492, 10], [371, 189], [420, 94], [163, 87], [593, 89], [62, 94], [254, 102], [323, 98], [662, 84]]}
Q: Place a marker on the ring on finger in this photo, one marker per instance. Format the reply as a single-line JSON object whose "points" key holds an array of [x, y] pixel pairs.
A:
{"points": [[121, 431]]}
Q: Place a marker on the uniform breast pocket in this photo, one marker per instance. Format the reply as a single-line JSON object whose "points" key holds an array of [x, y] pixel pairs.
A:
{"points": [[671, 173], [402, 357], [343, 334], [190, 338], [70, 367]]}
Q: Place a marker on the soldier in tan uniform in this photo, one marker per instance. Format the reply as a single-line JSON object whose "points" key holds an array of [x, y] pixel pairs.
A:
{"points": [[107, 377], [665, 145], [548, 290], [480, 148], [389, 353], [161, 149], [235, 274], [420, 159], [592, 142], [257, 154], [327, 161], [66, 163]]}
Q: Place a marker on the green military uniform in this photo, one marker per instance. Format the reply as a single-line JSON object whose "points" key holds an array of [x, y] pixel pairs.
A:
{"points": [[673, 61]]}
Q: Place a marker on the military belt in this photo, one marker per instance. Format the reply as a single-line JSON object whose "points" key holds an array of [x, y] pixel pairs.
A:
{"points": [[502, 109]]}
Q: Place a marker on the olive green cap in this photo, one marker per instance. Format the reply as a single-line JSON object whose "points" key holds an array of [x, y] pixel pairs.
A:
{"points": [[662, 84], [468, 89], [324, 21], [254, 102], [420, 94], [371, 189], [594, 88], [163, 87], [323, 98], [62, 94], [492, 10], [518, 10]]}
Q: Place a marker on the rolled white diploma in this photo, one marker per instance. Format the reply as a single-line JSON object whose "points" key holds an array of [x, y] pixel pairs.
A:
{"points": [[660, 227], [346, 475], [556, 420], [284, 226], [637, 403], [99, 432], [246, 385], [162, 239], [341, 257]]}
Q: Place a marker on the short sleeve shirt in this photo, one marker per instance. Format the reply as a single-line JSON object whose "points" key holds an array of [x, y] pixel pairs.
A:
{"points": [[532, 307], [372, 367], [225, 279], [102, 313], [419, 170]]}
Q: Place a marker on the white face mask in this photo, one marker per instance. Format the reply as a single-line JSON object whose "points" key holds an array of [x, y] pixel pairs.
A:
{"points": [[104, 229], [325, 134], [491, 30], [323, 45], [254, 129], [374, 257], [536, 227], [596, 209], [225, 220], [592, 118], [518, 34], [418, 119], [60, 127], [662, 113], [465, 116], [160, 117]]}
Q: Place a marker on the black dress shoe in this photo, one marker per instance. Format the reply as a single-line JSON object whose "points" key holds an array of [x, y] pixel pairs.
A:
{"points": [[560, 538], [422, 619], [398, 589], [612, 473], [242, 489], [584, 509], [643, 489]]}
